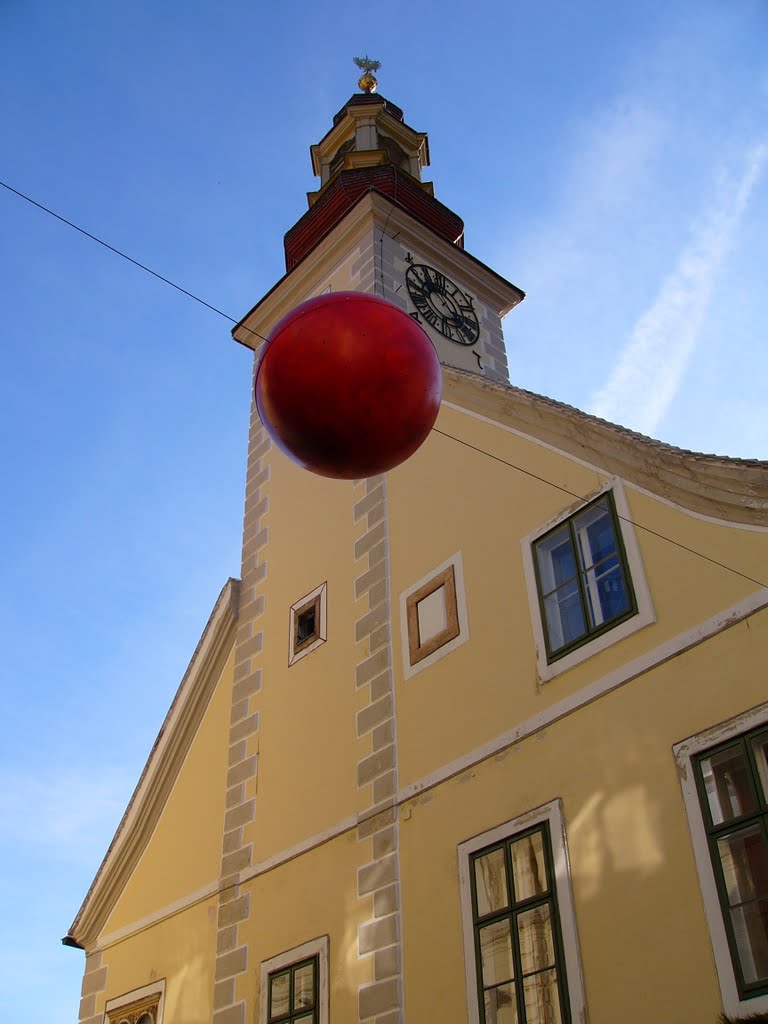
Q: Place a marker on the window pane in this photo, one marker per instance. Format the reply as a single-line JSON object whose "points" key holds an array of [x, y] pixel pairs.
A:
{"points": [[496, 953], [542, 999], [565, 618], [726, 781], [606, 594], [745, 864], [491, 883], [760, 750], [595, 533], [534, 933], [305, 1019], [750, 926], [501, 1005], [556, 559], [529, 867], [304, 987], [279, 994]]}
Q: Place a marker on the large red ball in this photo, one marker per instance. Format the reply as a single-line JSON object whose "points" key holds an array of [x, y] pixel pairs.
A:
{"points": [[348, 385]]}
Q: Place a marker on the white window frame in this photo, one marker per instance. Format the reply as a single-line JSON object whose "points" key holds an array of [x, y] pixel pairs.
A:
{"points": [[410, 670], [113, 1007], [552, 813], [645, 614], [322, 627], [315, 947], [684, 754]]}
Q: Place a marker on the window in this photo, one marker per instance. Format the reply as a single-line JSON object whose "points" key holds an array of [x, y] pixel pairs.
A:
{"points": [[585, 580], [732, 782], [582, 577], [723, 774], [308, 624], [433, 616], [293, 993], [141, 1006], [294, 985], [519, 927]]}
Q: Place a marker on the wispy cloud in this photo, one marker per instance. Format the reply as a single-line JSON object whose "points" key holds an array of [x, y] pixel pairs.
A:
{"points": [[650, 369]]}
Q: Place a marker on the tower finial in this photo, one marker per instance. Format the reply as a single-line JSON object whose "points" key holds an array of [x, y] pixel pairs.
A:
{"points": [[367, 81]]}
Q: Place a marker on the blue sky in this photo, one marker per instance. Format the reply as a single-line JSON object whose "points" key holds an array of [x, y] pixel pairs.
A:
{"points": [[610, 159]]}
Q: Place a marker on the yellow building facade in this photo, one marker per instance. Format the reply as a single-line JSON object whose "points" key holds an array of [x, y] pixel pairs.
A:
{"points": [[483, 739]]}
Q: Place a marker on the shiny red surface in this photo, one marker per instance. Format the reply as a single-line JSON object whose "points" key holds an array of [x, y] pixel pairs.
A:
{"points": [[348, 385]]}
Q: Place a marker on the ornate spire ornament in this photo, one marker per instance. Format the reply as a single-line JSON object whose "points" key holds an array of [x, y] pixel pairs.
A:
{"points": [[367, 81]]}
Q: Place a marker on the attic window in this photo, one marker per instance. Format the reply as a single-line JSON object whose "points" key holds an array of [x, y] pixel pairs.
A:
{"points": [[308, 622]]}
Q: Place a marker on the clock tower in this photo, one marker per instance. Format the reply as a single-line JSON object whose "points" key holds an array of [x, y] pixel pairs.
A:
{"points": [[375, 226]]}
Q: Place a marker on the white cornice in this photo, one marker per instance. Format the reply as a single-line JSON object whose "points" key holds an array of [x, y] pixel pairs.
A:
{"points": [[162, 767], [373, 211]]}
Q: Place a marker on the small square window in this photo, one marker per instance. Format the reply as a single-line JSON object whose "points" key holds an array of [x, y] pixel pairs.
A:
{"points": [[308, 624], [434, 616], [294, 985]]}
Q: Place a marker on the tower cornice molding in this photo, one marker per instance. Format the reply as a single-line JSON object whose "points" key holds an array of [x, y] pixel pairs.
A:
{"points": [[378, 213]]}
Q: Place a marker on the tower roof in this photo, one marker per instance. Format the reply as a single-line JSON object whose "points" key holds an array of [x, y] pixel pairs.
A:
{"points": [[369, 147]]}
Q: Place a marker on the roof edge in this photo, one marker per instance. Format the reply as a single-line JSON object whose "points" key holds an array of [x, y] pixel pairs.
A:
{"points": [[717, 486], [161, 769]]}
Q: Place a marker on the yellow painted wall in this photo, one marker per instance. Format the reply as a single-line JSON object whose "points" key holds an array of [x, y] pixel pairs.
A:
{"points": [[180, 949], [184, 852], [644, 940], [304, 899], [491, 683], [307, 745]]}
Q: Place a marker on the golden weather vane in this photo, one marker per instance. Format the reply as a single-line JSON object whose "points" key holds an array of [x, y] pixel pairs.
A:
{"points": [[367, 81]]}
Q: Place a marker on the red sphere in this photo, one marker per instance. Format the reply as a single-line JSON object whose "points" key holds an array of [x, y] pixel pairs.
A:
{"points": [[348, 385]]}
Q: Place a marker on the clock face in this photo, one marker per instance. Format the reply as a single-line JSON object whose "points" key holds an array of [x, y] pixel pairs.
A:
{"points": [[443, 304]]}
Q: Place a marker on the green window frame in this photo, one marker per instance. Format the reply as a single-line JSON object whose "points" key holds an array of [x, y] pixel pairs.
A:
{"points": [[732, 785], [519, 956], [293, 996], [582, 577]]}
